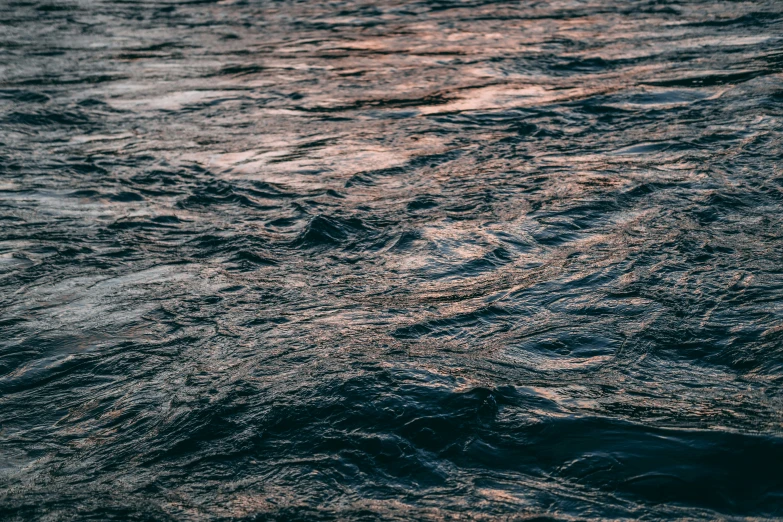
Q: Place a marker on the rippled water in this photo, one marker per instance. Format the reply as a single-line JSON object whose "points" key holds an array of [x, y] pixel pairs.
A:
{"points": [[391, 260]]}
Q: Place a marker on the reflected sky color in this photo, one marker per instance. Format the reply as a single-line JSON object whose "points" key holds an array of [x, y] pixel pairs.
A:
{"points": [[296, 260]]}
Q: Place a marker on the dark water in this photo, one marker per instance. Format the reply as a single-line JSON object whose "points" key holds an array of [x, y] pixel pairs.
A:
{"points": [[391, 260]]}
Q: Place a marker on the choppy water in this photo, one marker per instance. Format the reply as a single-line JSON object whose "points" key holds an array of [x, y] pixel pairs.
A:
{"points": [[391, 260]]}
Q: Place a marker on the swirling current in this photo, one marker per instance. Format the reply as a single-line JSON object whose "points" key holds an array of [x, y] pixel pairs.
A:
{"points": [[400, 260]]}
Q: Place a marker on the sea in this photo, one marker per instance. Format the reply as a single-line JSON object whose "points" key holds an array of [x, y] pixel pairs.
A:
{"points": [[391, 260]]}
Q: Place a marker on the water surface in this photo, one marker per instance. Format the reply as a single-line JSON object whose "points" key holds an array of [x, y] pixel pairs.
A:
{"points": [[422, 260]]}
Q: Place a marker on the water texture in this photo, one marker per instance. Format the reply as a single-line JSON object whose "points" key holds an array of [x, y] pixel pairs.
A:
{"points": [[400, 260]]}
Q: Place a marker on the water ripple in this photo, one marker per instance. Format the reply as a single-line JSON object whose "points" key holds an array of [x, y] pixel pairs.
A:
{"points": [[411, 261]]}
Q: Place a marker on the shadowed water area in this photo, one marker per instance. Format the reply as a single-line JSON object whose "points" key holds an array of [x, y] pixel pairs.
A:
{"points": [[421, 260]]}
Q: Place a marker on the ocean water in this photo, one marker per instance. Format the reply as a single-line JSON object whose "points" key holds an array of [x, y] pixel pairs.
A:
{"points": [[400, 260]]}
